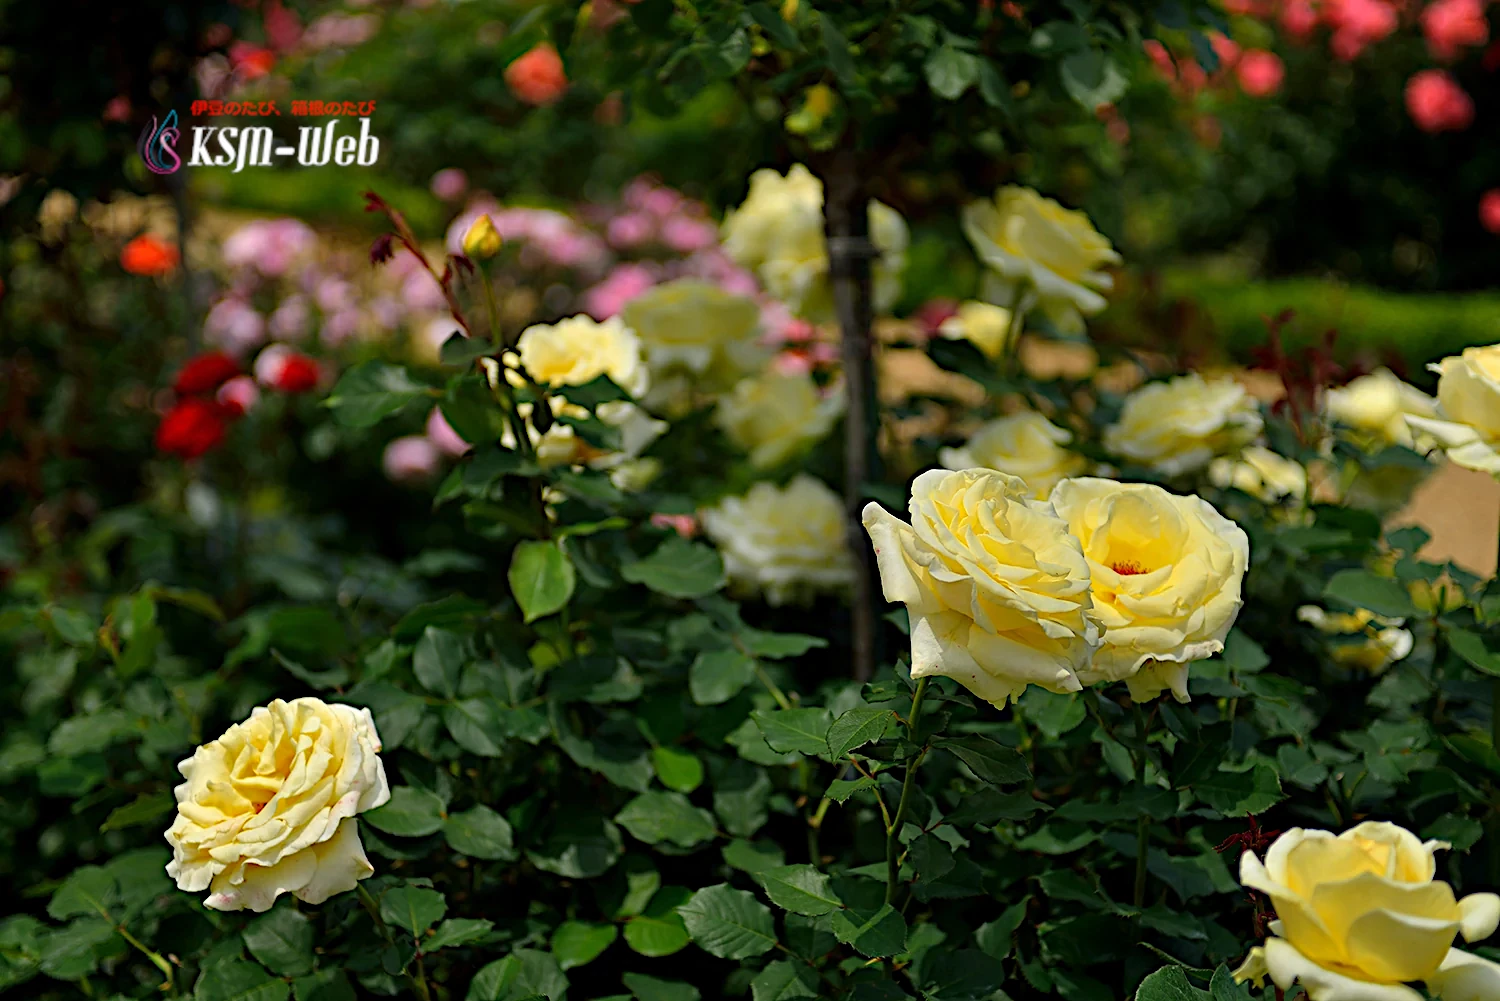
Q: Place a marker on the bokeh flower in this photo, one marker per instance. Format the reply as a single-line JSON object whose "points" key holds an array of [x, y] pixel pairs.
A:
{"points": [[1178, 426], [538, 76], [786, 543], [986, 326], [1468, 424], [1261, 473], [775, 415], [1026, 444], [148, 256]]}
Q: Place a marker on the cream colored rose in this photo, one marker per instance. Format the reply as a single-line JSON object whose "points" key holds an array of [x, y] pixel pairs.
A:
{"points": [[784, 542], [1374, 408], [996, 589], [778, 233], [1260, 473], [1166, 574], [269, 807], [985, 326], [698, 338], [1178, 426], [1367, 641], [580, 349], [1035, 246], [1465, 977], [1469, 401], [1027, 445], [1360, 914], [562, 445], [775, 415]]}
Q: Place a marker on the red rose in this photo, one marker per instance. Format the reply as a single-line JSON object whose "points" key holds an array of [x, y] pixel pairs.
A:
{"points": [[538, 76], [299, 374], [192, 427], [205, 373], [146, 255]]}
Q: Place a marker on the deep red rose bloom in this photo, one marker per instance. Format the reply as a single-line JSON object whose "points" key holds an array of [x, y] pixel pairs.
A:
{"points": [[192, 427], [205, 373], [297, 374]]}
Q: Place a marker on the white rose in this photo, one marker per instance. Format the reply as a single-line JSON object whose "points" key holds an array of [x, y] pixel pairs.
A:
{"points": [[1469, 401], [1027, 445], [268, 808], [775, 415], [784, 542], [1178, 426]]}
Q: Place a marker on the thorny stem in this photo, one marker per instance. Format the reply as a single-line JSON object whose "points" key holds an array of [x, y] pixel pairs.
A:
{"points": [[893, 829], [1142, 829]]}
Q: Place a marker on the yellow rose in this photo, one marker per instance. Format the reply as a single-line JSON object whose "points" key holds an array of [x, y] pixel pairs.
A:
{"points": [[561, 445], [1260, 473], [1465, 977], [1033, 244], [1166, 574], [482, 239], [578, 350], [1377, 642], [1027, 445], [1179, 426], [778, 233], [697, 337], [269, 807], [1360, 914], [985, 326], [1375, 408], [775, 415], [996, 588], [784, 542], [1469, 400]]}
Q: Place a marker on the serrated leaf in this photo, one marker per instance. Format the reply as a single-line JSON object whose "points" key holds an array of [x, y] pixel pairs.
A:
{"points": [[783, 980], [523, 974], [679, 569], [89, 890], [988, 759], [1362, 589], [438, 660], [801, 889], [239, 981], [873, 933], [282, 940], [654, 817], [414, 908], [455, 932], [659, 930], [410, 813], [1170, 983], [370, 392], [729, 923], [577, 943], [719, 675], [840, 790], [541, 577], [649, 988], [480, 832], [857, 727], [801, 730]]}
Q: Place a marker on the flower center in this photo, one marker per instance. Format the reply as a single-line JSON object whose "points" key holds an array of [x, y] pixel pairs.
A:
{"points": [[1127, 568]]}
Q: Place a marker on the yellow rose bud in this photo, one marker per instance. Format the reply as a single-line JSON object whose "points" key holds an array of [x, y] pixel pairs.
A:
{"points": [[1166, 574], [1469, 403], [482, 241], [784, 542], [996, 588], [1027, 445], [777, 415], [1178, 426], [269, 807], [1360, 914]]}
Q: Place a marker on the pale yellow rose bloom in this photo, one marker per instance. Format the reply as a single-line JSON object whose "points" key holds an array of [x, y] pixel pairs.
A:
{"points": [[1374, 408], [1360, 915], [778, 233], [1027, 445], [579, 349], [982, 324], [1034, 245], [1465, 977], [1179, 426], [787, 543], [268, 808], [1469, 404], [561, 445], [698, 338], [1166, 574], [1260, 473], [996, 589], [776, 415], [1379, 641]]}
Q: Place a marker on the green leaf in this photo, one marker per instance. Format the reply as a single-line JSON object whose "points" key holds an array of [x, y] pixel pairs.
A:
{"points": [[1223, 988], [410, 813], [582, 847], [461, 350], [988, 759], [801, 889], [1170, 983], [729, 923], [541, 577], [803, 730], [370, 392], [648, 988], [872, 933], [719, 675], [282, 940], [777, 646], [238, 980], [438, 661], [414, 908], [836, 47], [776, 29], [324, 985], [476, 726], [1238, 793], [659, 930], [480, 832], [677, 769], [654, 817], [784, 979], [840, 790], [523, 973], [90, 890], [679, 569], [1363, 589], [455, 932], [472, 412], [752, 856], [951, 71], [577, 943], [1092, 79], [145, 808], [857, 727], [1471, 647]]}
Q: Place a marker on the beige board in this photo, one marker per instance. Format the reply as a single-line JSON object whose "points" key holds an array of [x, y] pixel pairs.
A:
{"points": [[1460, 509]]}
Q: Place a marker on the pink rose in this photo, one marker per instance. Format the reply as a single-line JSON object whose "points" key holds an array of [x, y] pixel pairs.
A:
{"points": [[629, 230], [442, 435], [234, 325], [623, 284], [538, 77], [1453, 25], [412, 459], [239, 395], [1437, 103], [1260, 73], [1489, 210], [449, 184]]}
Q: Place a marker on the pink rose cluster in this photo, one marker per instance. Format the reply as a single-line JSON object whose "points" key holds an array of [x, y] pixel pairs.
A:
{"points": [[417, 458], [1259, 72]]}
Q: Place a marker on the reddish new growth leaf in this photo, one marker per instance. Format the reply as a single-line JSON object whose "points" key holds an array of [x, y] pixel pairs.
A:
{"points": [[382, 249], [1303, 374], [374, 203], [1254, 840], [463, 263]]}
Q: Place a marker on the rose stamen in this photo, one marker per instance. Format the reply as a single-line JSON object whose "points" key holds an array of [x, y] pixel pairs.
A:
{"points": [[1127, 568]]}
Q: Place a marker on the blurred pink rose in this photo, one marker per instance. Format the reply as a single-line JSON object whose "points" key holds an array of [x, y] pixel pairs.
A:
{"points": [[449, 184], [333, 293], [686, 234], [340, 30], [1299, 19], [1437, 103], [1260, 73], [412, 459], [623, 284], [1357, 24], [685, 525], [239, 394], [385, 312], [234, 325], [932, 314], [421, 292], [269, 246], [117, 110], [340, 327], [441, 434], [437, 331], [289, 321], [538, 77], [1161, 59], [1453, 25], [1489, 210], [1226, 48], [629, 230]]}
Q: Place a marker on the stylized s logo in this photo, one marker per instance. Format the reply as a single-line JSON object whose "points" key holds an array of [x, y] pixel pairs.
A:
{"points": [[157, 145]]}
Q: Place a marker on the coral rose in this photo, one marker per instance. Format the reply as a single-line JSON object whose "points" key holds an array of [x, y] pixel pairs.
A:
{"points": [[538, 77]]}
